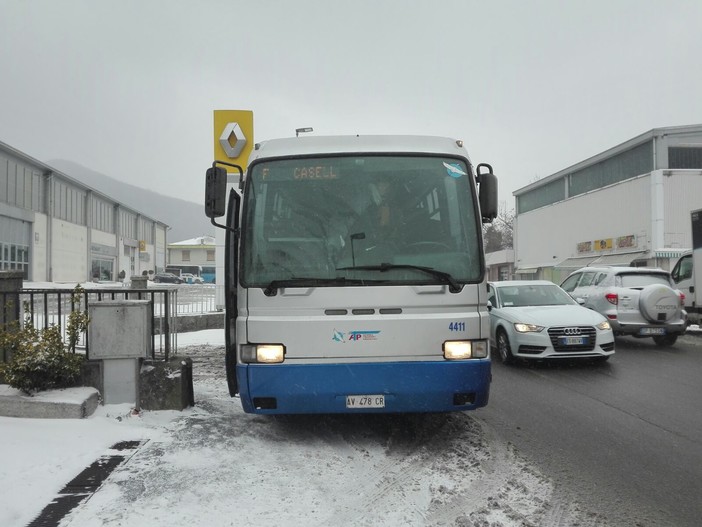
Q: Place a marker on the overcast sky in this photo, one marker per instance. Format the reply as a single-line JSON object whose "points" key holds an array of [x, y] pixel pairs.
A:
{"points": [[128, 87]]}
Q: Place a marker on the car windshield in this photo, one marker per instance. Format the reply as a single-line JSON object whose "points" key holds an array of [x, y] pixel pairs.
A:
{"points": [[642, 280], [534, 295]]}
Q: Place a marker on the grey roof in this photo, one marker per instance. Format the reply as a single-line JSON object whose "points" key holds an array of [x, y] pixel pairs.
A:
{"points": [[316, 145], [626, 145]]}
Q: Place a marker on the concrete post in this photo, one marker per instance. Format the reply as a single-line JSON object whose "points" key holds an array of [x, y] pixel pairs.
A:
{"points": [[139, 282]]}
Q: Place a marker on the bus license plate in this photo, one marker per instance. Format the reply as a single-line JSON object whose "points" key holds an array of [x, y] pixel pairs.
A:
{"points": [[573, 341], [652, 331], [365, 401]]}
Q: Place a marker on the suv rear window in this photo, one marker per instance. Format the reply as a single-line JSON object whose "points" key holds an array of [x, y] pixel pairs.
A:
{"points": [[642, 280]]}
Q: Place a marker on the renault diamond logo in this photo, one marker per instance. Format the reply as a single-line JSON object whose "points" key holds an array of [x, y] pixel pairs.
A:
{"points": [[232, 140]]}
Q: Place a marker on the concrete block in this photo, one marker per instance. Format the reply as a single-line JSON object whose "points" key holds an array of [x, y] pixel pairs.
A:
{"points": [[67, 403], [166, 385]]}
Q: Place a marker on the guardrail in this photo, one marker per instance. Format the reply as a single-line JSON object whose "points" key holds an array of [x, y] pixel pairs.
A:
{"points": [[51, 306]]}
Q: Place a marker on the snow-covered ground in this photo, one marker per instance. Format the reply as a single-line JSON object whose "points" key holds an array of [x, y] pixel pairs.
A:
{"points": [[213, 465]]}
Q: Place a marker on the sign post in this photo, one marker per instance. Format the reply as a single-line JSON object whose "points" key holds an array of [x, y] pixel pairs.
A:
{"points": [[233, 143]]}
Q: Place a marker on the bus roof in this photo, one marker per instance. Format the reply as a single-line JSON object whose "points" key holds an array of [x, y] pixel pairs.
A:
{"points": [[361, 144]]}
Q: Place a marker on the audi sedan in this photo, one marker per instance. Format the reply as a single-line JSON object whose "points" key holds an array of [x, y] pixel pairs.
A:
{"points": [[536, 320]]}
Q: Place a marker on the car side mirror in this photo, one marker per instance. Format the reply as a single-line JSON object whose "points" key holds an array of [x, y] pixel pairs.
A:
{"points": [[580, 301], [489, 305]]}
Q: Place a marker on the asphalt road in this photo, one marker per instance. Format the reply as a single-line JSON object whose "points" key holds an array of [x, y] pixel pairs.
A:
{"points": [[623, 438]]}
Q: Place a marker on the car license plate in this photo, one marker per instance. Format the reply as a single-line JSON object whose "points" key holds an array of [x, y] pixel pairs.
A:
{"points": [[365, 401], [572, 341], [652, 331]]}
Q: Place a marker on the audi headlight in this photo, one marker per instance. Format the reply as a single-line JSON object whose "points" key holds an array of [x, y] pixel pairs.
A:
{"points": [[527, 328], [604, 325], [465, 349], [263, 353]]}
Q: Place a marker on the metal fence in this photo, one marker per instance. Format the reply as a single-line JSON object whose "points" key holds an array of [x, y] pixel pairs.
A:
{"points": [[51, 307]]}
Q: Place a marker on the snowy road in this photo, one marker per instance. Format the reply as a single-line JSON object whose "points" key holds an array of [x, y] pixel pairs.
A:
{"points": [[217, 466]]}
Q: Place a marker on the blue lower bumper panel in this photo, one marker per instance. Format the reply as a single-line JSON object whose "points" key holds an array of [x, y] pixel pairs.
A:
{"points": [[446, 386]]}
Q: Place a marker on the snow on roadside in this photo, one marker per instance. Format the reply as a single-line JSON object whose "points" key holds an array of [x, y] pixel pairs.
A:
{"points": [[215, 465]]}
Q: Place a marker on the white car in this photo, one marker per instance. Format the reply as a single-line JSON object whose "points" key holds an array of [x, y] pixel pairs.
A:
{"points": [[637, 301], [190, 278], [536, 319]]}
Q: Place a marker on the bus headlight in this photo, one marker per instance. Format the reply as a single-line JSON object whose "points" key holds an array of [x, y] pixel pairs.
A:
{"points": [[263, 353], [465, 349]]}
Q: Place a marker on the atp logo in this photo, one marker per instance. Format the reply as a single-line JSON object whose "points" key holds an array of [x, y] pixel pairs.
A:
{"points": [[354, 336]]}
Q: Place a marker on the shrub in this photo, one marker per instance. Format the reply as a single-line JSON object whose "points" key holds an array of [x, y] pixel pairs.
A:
{"points": [[40, 359]]}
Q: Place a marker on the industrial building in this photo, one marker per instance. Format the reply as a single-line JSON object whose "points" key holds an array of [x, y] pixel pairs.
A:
{"points": [[629, 205], [54, 228], [195, 253]]}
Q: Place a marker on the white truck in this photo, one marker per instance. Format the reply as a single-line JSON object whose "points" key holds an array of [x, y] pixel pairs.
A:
{"points": [[687, 272]]}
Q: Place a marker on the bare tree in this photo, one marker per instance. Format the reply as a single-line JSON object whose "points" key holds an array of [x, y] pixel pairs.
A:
{"points": [[499, 234]]}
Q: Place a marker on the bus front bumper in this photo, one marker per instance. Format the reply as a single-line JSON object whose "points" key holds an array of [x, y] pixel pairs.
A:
{"points": [[427, 386]]}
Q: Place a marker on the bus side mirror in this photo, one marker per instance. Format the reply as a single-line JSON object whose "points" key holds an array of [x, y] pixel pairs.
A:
{"points": [[215, 192], [487, 194]]}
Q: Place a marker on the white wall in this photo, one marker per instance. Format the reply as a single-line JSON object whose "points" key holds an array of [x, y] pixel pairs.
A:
{"points": [[682, 191], [617, 210], [40, 238], [103, 238], [160, 249], [69, 245]]}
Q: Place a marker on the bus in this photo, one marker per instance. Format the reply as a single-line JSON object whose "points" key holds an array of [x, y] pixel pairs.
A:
{"points": [[355, 275], [209, 273]]}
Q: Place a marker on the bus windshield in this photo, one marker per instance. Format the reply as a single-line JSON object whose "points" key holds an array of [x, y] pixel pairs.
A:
{"points": [[360, 220]]}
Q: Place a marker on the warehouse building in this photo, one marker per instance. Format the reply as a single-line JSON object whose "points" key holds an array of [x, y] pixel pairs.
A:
{"points": [[629, 205], [55, 229]]}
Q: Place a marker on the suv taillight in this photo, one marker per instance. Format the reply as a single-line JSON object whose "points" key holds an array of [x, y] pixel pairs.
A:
{"points": [[612, 298], [682, 299]]}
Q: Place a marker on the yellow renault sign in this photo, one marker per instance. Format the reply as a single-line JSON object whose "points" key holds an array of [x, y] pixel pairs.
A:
{"points": [[233, 136]]}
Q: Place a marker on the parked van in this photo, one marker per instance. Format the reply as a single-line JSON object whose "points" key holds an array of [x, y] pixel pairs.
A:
{"points": [[687, 273], [684, 279]]}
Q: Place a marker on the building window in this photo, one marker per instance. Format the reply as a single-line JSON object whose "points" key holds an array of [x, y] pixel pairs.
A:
{"points": [[102, 269], [15, 257], [684, 157], [186, 256], [210, 256], [504, 272]]}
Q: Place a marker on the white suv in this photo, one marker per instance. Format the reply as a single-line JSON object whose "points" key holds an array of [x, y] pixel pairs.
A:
{"points": [[637, 301]]}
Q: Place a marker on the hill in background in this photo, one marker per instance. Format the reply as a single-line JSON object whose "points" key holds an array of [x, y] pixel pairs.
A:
{"points": [[185, 218]]}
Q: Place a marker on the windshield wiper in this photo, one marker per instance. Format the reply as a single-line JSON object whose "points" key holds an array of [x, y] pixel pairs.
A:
{"points": [[272, 288], [446, 278]]}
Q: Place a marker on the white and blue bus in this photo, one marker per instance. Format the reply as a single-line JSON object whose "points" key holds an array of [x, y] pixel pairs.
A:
{"points": [[209, 273], [355, 275]]}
